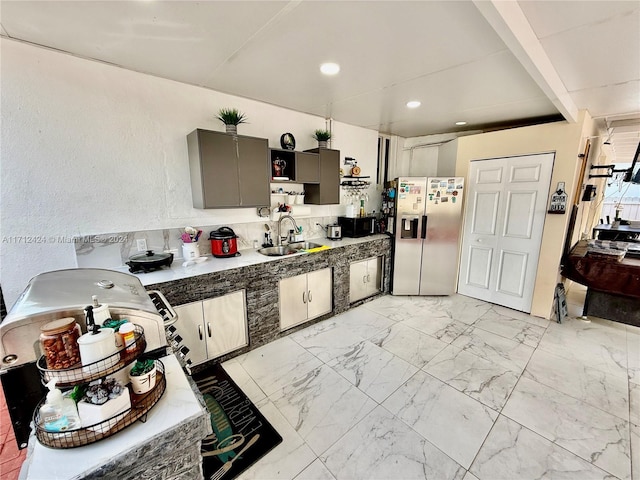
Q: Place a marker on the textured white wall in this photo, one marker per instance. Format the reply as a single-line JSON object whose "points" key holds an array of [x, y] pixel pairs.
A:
{"points": [[91, 148]]}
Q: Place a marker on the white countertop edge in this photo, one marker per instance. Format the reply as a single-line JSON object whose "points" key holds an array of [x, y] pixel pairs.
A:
{"points": [[178, 404], [247, 257]]}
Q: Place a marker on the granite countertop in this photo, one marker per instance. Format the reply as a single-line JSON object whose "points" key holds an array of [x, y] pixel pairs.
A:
{"points": [[178, 405], [247, 257]]}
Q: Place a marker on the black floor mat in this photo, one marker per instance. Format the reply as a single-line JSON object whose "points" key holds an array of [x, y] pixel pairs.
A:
{"points": [[241, 433]]}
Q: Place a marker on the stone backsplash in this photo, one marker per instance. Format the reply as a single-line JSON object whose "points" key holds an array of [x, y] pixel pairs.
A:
{"points": [[114, 249]]}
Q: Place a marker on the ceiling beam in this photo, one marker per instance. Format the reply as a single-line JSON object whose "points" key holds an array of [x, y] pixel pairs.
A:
{"points": [[511, 24]]}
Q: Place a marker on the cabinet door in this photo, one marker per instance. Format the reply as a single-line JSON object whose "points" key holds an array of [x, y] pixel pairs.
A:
{"points": [[307, 167], [329, 176], [319, 293], [225, 323], [293, 301], [374, 275], [219, 169], [358, 280], [327, 192], [253, 171], [191, 329]]}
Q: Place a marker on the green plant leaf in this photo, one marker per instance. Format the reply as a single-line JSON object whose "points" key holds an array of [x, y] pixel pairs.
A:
{"points": [[322, 135], [231, 116]]}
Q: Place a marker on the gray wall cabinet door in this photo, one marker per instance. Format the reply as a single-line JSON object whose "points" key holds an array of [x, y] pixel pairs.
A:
{"points": [[228, 171], [307, 167], [327, 192], [254, 171]]}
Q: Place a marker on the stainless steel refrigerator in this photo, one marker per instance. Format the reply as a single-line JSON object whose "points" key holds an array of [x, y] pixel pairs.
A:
{"points": [[427, 230]]}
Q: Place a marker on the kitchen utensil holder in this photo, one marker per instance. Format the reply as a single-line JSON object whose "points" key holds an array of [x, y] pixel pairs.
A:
{"points": [[190, 251], [140, 406], [69, 377]]}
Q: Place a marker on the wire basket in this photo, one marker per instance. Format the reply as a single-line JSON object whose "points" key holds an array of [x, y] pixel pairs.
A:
{"points": [[70, 377], [140, 405]]}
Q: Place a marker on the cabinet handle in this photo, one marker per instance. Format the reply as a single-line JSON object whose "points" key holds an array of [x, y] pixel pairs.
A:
{"points": [[309, 296], [368, 278], [304, 298], [209, 329], [364, 279], [200, 331]]}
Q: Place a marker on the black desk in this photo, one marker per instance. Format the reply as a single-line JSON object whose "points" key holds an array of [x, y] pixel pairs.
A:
{"points": [[620, 232]]}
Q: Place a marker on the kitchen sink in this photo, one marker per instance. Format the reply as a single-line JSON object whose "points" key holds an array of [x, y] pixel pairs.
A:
{"points": [[277, 251], [289, 249], [304, 245]]}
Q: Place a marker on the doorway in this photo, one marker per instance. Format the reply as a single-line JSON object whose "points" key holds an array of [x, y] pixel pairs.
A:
{"points": [[504, 219]]}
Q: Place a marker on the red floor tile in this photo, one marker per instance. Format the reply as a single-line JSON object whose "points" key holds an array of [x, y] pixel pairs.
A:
{"points": [[11, 457]]}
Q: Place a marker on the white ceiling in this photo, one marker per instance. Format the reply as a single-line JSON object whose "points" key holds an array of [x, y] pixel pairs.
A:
{"points": [[492, 64]]}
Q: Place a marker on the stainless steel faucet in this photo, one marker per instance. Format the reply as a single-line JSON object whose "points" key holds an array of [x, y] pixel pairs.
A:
{"points": [[282, 217]]}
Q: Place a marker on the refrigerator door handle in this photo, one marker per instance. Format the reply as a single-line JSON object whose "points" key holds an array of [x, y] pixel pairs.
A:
{"points": [[423, 235]]}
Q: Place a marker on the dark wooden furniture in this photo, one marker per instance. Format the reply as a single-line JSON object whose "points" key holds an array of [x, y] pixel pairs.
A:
{"points": [[613, 288]]}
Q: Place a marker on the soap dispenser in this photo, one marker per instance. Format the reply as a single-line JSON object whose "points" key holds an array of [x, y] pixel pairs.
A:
{"points": [[100, 311], [58, 414]]}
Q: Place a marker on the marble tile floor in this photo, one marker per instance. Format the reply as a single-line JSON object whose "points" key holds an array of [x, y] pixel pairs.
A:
{"points": [[448, 388]]}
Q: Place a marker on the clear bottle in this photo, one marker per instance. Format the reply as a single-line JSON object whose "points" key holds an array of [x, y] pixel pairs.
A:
{"points": [[58, 414]]}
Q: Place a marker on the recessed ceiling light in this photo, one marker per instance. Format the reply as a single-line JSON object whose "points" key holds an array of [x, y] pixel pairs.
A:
{"points": [[329, 68], [413, 104], [461, 123]]}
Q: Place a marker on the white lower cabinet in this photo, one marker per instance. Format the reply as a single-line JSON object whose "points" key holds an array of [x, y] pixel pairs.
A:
{"points": [[305, 297], [365, 278], [213, 327]]}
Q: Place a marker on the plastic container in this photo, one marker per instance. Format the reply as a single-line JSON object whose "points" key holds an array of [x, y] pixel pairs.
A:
{"points": [[59, 343], [127, 334], [58, 414]]}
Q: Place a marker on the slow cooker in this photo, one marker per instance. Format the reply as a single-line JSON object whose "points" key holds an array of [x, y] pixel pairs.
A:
{"points": [[223, 243]]}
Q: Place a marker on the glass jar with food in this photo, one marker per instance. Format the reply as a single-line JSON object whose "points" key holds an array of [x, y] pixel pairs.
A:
{"points": [[59, 343]]}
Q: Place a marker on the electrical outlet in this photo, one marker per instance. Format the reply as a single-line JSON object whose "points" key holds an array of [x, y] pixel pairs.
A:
{"points": [[141, 244]]}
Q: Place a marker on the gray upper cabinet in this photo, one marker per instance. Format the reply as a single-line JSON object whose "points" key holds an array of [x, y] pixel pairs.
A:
{"points": [[228, 170], [307, 167], [327, 191]]}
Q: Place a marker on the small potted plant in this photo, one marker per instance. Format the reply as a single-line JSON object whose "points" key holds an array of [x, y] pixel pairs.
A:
{"points": [[143, 376], [231, 118], [322, 136]]}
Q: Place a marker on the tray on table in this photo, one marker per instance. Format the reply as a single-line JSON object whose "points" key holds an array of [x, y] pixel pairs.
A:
{"points": [[70, 377], [140, 405]]}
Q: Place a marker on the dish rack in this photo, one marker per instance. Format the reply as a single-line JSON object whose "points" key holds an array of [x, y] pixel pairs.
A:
{"points": [[140, 404]]}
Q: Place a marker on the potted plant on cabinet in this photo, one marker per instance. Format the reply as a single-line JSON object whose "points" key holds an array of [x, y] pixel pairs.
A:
{"points": [[231, 118], [322, 136]]}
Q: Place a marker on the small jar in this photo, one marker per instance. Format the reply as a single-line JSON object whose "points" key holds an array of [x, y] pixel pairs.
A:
{"points": [[127, 333], [59, 343]]}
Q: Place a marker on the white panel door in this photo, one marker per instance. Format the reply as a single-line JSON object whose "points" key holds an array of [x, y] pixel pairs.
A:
{"points": [[293, 301], [504, 219], [225, 323], [319, 293], [191, 328], [358, 280]]}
